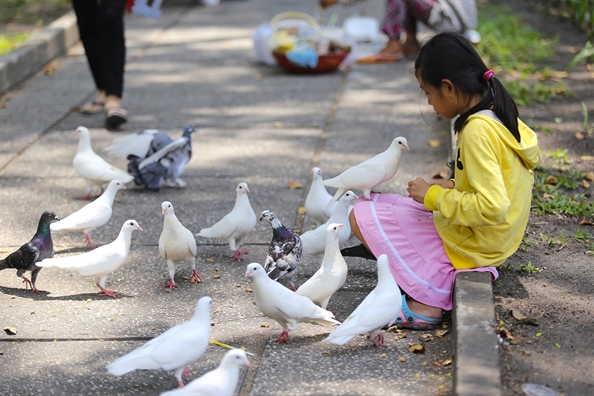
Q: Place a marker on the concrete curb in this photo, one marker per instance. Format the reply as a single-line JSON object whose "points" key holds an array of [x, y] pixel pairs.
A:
{"points": [[25, 61], [476, 347]]}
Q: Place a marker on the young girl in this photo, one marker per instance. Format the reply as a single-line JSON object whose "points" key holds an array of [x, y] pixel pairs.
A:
{"points": [[472, 222]]}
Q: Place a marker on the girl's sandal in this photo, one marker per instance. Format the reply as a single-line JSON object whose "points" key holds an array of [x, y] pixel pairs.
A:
{"points": [[410, 320]]}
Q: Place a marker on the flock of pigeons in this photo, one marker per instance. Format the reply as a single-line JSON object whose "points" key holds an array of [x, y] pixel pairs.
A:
{"points": [[154, 160]]}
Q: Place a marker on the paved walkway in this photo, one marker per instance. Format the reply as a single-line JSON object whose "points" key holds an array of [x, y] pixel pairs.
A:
{"points": [[255, 123]]}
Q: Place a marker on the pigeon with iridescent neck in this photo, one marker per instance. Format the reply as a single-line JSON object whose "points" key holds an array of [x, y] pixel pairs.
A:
{"points": [[284, 251], [37, 249]]}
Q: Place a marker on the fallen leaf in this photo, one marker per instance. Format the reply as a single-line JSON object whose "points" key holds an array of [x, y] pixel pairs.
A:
{"points": [[525, 352], [434, 143], [548, 196], [238, 285], [326, 353], [168, 290], [587, 157], [416, 348], [114, 317], [1, 352], [504, 333], [185, 277], [402, 359], [440, 333], [590, 175], [49, 69], [293, 185], [247, 289], [447, 362], [425, 337], [551, 180], [586, 222], [301, 210], [382, 355], [579, 136], [418, 375], [217, 276], [212, 323], [32, 312], [194, 280], [10, 330], [558, 345], [89, 300], [264, 325], [585, 184], [209, 260]]}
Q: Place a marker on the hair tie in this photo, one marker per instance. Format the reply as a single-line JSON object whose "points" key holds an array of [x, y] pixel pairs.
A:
{"points": [[487, 75]]}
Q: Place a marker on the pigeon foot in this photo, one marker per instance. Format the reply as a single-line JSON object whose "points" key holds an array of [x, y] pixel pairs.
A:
{"points": [[187, 373], [283, 337], [293, 286], [27, 282], [181, 384], [86, 197], [105, 292], [195, 277], [171, 284], [378, 341], [90, 244], [36, 290], [236, 255]]}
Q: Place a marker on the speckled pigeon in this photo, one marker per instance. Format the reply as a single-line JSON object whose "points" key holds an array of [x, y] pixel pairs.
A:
{"points": [[38, 248], [154, 158], [284, 252]]}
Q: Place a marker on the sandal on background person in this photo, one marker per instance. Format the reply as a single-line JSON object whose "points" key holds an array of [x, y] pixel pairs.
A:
{"points": [[92, 108], [115, 116]]}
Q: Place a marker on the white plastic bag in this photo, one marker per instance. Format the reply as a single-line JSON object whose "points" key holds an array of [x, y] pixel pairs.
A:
{"points": [[361, 28], [261, 36]]}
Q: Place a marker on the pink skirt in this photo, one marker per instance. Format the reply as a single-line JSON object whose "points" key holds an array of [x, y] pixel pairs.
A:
{"points": [[404, 230]]}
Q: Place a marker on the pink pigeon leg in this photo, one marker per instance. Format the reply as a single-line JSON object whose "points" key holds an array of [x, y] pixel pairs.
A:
{"points": [[181, 384], [105, 292], [27, 282], [187, 373], [293, 286], [171, 284], [36, 290], [86, 197], [195, 278], [283, 337], [90, 244], [378, 341], [236, 255]]}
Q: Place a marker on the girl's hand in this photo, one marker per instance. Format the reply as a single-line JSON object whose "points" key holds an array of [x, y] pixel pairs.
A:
{"points": [[417, 189]]}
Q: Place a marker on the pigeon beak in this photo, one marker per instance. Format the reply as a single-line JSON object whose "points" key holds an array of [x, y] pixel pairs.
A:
{"points": [[406, 147], [247, 274], [246, 362], [356, 196], [339, 227], [163, 212], [139, 228], [261, 217], [124, 187], [247, 189]]}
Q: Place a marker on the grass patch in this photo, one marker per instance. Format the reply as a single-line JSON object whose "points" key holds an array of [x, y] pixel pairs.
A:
{"points": [[516, 51], [8, 42], [557, 190]]}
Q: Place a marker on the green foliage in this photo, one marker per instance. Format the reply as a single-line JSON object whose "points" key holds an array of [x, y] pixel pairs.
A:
{"points": [[8, 42], [29, 11], [511, 47], [584, 56], [560, 198], [583, 237], [529, 268], [508, 43]]}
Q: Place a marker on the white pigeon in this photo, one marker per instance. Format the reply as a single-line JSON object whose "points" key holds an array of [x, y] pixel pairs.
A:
{"points": [[94, 169], [91, 216], [331, 275], [381, 307], [236, 224], [176, 243], [314, 241], [317, 199], [369, 173], [173, 350], [221, 381], [99, 262], [286, 307]]}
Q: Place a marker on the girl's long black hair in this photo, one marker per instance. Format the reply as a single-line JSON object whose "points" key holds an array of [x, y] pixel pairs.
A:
{"points": [[451, 56]]}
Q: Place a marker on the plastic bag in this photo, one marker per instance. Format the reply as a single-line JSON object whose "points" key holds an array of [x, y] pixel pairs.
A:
{"points": [[261, 36]]}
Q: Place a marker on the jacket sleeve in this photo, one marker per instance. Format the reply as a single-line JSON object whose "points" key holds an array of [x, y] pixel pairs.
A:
{"points": [[484, 201]]}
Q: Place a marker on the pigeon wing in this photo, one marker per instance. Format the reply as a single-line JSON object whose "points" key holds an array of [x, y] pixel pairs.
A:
{"points": [[367, 173], [176, 144], [24, 257], [136, 144]]}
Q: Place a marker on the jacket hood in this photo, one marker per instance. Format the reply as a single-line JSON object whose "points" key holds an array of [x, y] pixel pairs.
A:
{"points": [[527, 149]]}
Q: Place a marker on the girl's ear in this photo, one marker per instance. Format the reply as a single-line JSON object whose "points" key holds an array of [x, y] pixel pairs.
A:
{"points": [[448, 86]]}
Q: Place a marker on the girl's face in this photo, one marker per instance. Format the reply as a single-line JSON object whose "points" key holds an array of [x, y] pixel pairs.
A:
{"points": [[443, 99]]}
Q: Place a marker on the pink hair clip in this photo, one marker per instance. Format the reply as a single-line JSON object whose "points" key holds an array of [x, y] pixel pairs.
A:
{"points": [[487, 75]]}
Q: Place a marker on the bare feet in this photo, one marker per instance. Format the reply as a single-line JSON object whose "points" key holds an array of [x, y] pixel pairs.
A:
{"points": [[424, 310], [392, 52]]}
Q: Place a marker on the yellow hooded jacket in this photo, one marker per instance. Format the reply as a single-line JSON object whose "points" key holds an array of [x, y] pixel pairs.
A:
{"points": [[483, 218]]}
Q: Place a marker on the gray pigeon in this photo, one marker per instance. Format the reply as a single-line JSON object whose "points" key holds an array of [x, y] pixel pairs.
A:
{"points": [[38, 248], [284, 252], [154, 158]]}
